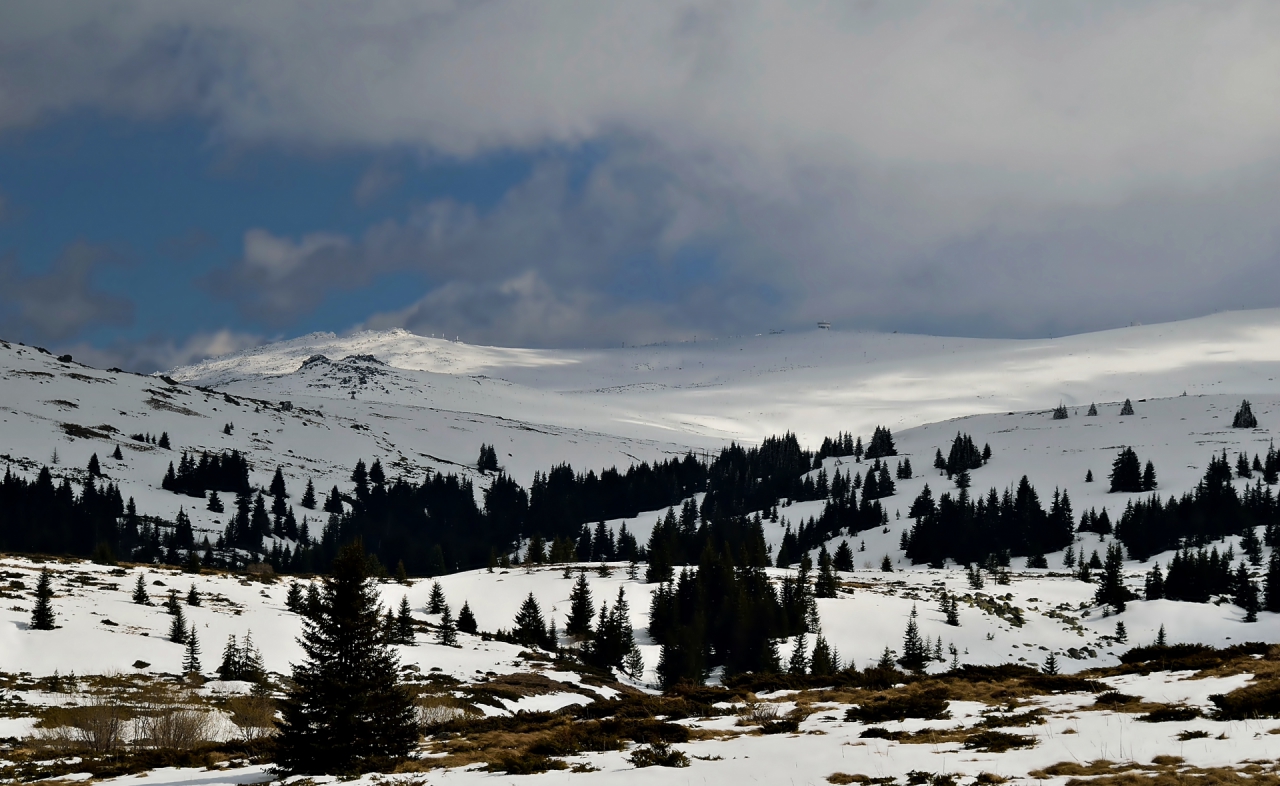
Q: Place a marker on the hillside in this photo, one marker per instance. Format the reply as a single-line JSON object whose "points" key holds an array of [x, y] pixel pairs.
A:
{"points": [[314, 405]]}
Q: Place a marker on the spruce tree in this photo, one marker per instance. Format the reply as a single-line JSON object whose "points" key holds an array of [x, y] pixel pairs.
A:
{"points": [[346, 711], [308, 500], [798, 663], [826, 584], [530, 628], [95, 469], [824, 660], [294, 601], [1127, 408], [436, 602], [1111, 590], [1245, 593], [178, 627], [1149, 477], [117, 455], [1244, 416], [215, 503], [1271, 597], [1122, 635], [914, 649], [1093, 411], [42, 615], [1126, 472], [191, 660], [886, 564], [581, 609], [140, 595], [843, 560], [404, 621], [447, 633], [1161, 639], [466, 619], [1051, 664]]}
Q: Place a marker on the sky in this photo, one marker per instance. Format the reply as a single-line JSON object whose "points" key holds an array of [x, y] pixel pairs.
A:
{"points": [[184, 179]]}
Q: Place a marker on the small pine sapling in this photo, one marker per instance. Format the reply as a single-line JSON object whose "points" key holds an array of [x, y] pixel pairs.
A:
{"points": [[191, 660], [178, 627], [447, 633], [467, 620], [193, 595], [140, 595]]}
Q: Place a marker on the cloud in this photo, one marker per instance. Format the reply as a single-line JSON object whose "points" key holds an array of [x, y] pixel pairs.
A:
{"points": [[997, 168], [59, 304], [155, 353], [376, 181]]}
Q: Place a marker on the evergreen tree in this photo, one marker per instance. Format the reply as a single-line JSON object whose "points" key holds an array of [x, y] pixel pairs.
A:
{"points": [[826, 584], [1111, 590], [191, 660], [164, 441], [581, 609], [467, 620], [914, 649], [1127, 408], [308, 500], [294, 600], [447, 633], [798, 663], [881, 444], [1126, 472], [886, 565], [436, 602], [346, 711], [117, 455], [1060, 412], [824, 660], [1122, 635], [1093, 411], [1161, 639], [1244, 416], [42, 615], [530, 628], [843, 560], [1149, 477], [215, 503], [277, 488], [1245, 593], [404, 621], [1154, 585], [95, 469], [140, 595], [1088, 476], [178, 627], [229, 669], [1272, 586], [193, 596], [1051, 664]]}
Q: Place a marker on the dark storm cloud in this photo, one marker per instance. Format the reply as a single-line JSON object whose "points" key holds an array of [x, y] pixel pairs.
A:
{"points": [[1003, 168], [59, 304]]}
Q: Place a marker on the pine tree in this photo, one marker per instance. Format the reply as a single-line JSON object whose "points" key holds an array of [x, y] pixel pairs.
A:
{"points": [[42, 615], [193, 597], [191, 661], [95, 469], [1051, 664], [308, 500], [952, 610], [914, 649], [215, 503], [530, 628], [1122, 635], [886, 564], [843, 560], [117, 455], [436, 602], [404, 621], [798, 663], [294, 600], [1093, 411], [581, 609], [140, 595], [1272, 586], [826, 584], [1149, 477], [824, 660], [447, 633], [1246, 593], [1161, 640], [1126, 472], [402, 575], [346, 711], [164, 441], [1088, 476], [1111, 590], [1244, 416], [1127, 408], [178, 627], [467, 620], [229, 669], [1060, 412]]}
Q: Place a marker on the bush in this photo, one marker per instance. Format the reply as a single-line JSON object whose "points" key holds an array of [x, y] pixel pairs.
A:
{"points": [[1256, 700], [997, 741], [1180, 657], [881, 733], [929, 704], [659, 754], [1171, 713], [1114, 699], [780, 726], [525, 764]]}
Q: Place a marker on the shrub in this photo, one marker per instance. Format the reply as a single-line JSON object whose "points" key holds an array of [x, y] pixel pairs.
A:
{"points": [[929, 704], [997, 741], [659, 754], [525, 764], [1171, 713], [881, 733], [1256, 700], [1114, 699], [781, 726]]}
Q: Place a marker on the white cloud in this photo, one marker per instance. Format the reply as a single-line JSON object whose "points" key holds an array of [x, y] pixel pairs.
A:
{"points": [[160, 354]]}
